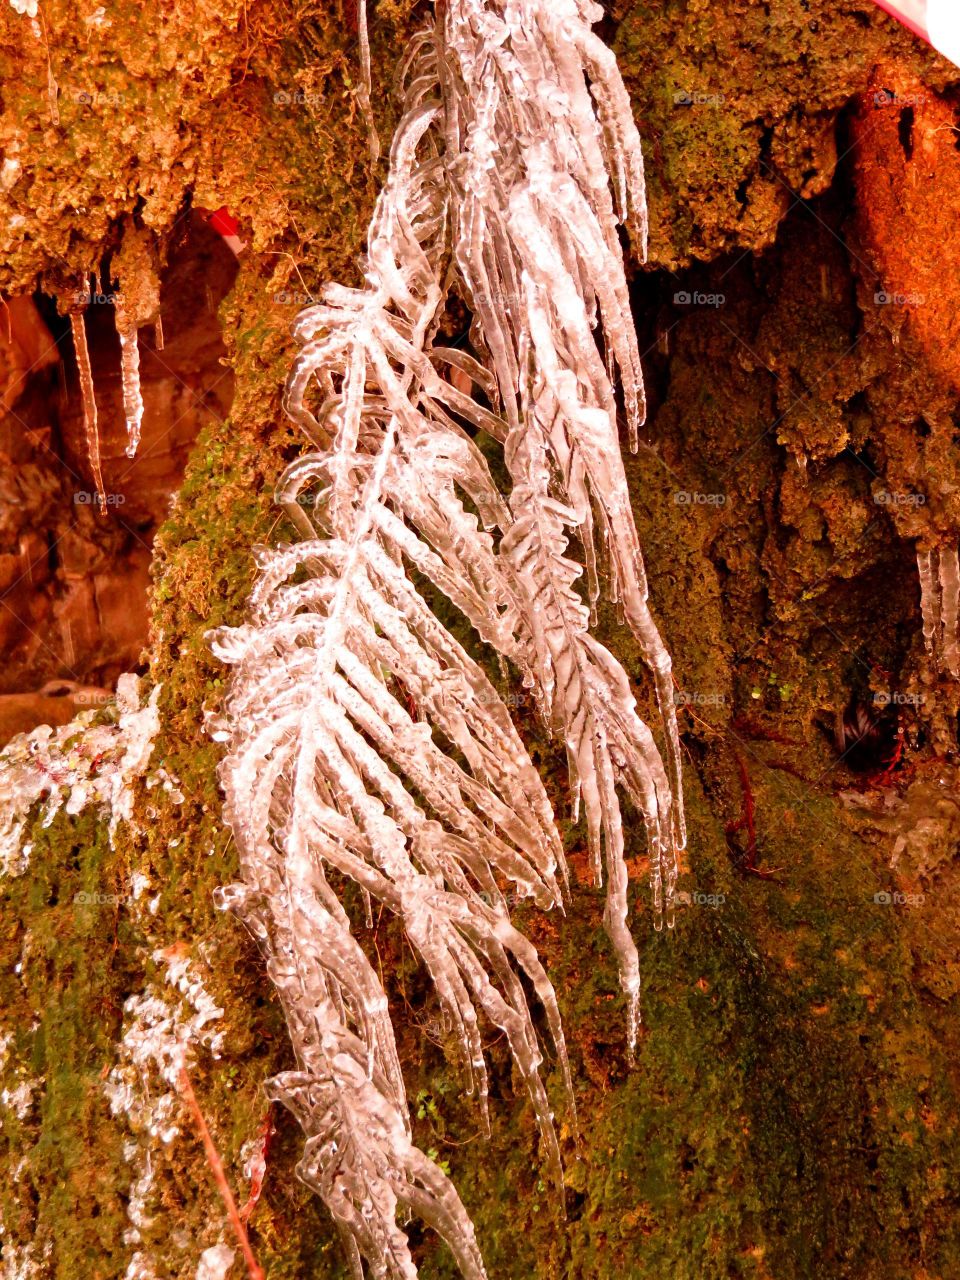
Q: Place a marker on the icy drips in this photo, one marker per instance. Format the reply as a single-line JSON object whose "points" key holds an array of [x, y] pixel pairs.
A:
{"points": [[160, 1036], [84, 762], [130, 376], [91, 430], [939, 572]]}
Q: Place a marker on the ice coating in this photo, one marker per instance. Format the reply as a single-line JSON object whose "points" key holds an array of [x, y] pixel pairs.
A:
{"points": [[215, 1262], [130, 376], [162, 1031], [939, 572], [88, 396], [361, 738], [80, 763]]}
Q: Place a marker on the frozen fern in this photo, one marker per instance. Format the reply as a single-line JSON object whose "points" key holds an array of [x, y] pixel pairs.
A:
{"points": [[363, 742]]}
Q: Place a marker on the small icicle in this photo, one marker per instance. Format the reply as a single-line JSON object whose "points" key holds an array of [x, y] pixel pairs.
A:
{"points": [[158, 333], [39, 29], [950, 608], [53, 91], [929, 602], [90, 429], [366, 83], [130, 376]]}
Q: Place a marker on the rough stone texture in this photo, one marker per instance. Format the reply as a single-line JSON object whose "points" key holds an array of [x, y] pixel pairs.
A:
{"points": [[73, 578], [792, 1112]]}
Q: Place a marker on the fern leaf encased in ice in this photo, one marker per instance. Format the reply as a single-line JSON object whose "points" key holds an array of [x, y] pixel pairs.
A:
{"points": [[328, 770], [537, 124], [363, 741]]}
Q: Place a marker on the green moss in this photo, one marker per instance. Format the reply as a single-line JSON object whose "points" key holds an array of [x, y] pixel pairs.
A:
{"points": [[737, 109], [777, 1119], [791, 1112], [65, 970]]}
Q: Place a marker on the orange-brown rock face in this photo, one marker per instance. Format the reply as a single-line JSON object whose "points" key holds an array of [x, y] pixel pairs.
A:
{"points": [[907, 175]]}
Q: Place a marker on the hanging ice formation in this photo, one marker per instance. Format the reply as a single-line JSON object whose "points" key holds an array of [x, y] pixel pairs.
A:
{"points": [[130, 375], [91, 431], [137, 304], [940, 605], [361, 738]]}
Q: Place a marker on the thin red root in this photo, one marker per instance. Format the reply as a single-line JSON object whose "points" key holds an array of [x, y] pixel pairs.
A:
{"points": [[185, 1089], [747, 822]]}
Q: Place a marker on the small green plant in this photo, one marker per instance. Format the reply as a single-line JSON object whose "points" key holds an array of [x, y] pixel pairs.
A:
{"points": [[443, 1165]]}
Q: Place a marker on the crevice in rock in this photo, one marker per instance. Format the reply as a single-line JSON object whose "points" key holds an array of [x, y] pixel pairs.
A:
{"points": [[74, 577]]}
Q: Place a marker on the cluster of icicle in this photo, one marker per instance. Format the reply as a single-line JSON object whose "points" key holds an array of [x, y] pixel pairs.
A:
{"points": [[84, 762], [940, 605], [363, 742], [136, 307]]}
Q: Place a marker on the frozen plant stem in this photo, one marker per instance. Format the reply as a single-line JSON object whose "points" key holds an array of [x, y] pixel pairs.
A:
{"points": [[362, 738], [365, 90]]}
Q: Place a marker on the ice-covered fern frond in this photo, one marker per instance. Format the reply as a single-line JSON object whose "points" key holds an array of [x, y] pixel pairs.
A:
{"points": [[364, 743], [545, 163]]}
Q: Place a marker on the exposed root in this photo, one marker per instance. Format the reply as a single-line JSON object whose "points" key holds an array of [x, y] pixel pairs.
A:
{"points": [[747, 857], [185, 1089]]}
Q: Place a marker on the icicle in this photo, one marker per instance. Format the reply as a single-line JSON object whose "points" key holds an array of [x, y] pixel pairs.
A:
{"points": [[939, 572], [130, 376], [158, 333], [90, 428], [950, 607], [366, 83], [929, 601], [137, 303]]}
